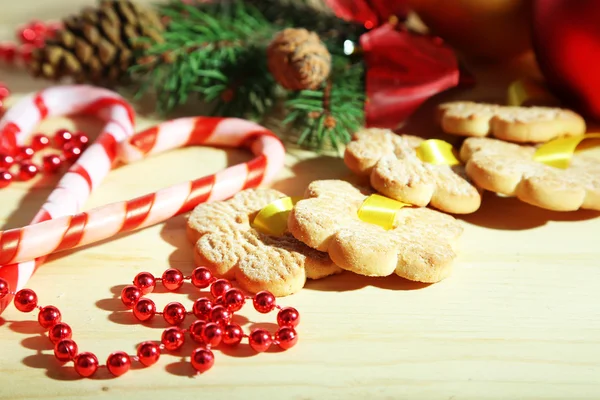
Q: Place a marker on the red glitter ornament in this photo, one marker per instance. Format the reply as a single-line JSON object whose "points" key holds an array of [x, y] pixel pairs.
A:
{"points": [[260, 340], [25, 300], [286, 337], [172, 338], [174, 313], [148, 353], [232, 334], [144, 310], [118, 363], [49, 316], [202, 307], [201, 277], [130, 295], [86, 364], [59, 332], [5, 178], [172, 279], [202, 359], [27, 171], [288, 316], [65, 350], [264, 302], [145, 281]]}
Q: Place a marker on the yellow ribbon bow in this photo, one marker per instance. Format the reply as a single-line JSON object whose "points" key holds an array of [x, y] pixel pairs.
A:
{"points": [[438, 152], [527, 91], [380, 210], [272, 219], [558, 152]]}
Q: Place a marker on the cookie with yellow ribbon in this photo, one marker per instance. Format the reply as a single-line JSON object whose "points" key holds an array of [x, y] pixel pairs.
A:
{"points": [[412, 170], [373, 235], [510, 123], [551, 176], [245, 238]]}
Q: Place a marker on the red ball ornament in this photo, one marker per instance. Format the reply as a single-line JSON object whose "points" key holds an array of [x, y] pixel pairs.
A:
{"points": [[234, 299], [172, 338], [51, 163], [39, 141], [27, 171], [566, 42], [86, 364], [220, 315], [196, 329], [118, 363], [201, 277], [6, 161], [219, 287], [260, 340], [5, 178], [144, 310], [49, 316], [59, 332], [81, 140], [264, 302], [232, 334], [71, 152], [286, 337], [25, 153], [62, 137], [174, 313], [212, 334], [202, 307], [219, 301], [148, 353], [202, 359], [172, 279], [288, 316], [130, 295], [145, 281], [65, 350], [8, 52], [3, 288], [25, 300]]}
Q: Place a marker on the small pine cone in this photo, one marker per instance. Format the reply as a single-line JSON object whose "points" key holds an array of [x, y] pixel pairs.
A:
{"points": [[98, 44], [298, 59]]}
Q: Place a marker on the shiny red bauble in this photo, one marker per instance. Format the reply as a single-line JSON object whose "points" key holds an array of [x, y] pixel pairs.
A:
{"points": [[212, 334], [220, 315], [288, 316], [201, 277], [172, 338], [286, 337], [51, 163], [25, 153], [219, 287], [39, 141], [81, 140], [264, 302], [130, 295], [118, 363], [202, 359], [3, 288], [27, 171], [260, 340], [59, 332], [234, 299], [195, 330], [65, 350], [144, 310], [148, 353], [25, 300], [6, 161], [566, 41], [145, 281], [5, 178], [202, 307], [174, 313], [86, 364], [172, 279], [72, 152], [62, 137], [232, 334], [48, 317]]}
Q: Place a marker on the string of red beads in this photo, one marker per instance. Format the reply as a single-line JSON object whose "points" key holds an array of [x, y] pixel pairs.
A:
{"points": [[27, 38], [213, 327]]}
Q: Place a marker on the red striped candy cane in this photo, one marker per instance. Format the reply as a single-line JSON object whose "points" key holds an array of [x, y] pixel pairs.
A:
{"points": [[106, 221], [75, 186]]}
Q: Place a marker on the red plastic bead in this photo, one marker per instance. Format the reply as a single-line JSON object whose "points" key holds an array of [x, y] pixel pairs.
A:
{"points": [[8, 52], [71, 152], [219, 287], [25, 153], [220, 315], [219, 301], [234, 299], [27, 171], [25, 300], [5, 178], [144, 310], [28, 35], [145, 281], [86, 364], [65, 350], [118, 363], [202, 307], [4, 92], [3, 288], [196, 329], [39, 141], [202, 359], [264, 302], [25, 52], [62, 137], [286, 337], [81, 139], [212, 334], [232, 334], [148, 353], [51, 163], [6, 161], [130, 295], [172, 338], [174, 313], [49, 316], [172, 279], [201, 277], [59, 332], [260, 340], [288, 316]]}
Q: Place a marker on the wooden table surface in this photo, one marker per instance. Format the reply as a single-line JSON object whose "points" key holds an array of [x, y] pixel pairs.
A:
{"points": [[518, 318]]}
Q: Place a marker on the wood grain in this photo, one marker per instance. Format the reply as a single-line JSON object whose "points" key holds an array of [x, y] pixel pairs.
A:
{"points": [[519, 317]]}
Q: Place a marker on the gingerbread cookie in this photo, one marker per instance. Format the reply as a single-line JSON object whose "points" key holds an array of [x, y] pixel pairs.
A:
{"points": [[418, 246], [510, 169], [395, 170], [226, 242], [514, 124]]}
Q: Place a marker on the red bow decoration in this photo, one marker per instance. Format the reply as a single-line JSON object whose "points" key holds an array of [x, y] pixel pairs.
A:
{"points": [[404, 68]]}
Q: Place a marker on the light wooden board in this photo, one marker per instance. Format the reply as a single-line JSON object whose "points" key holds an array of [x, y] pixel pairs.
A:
{"points": [[519, 317]]}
